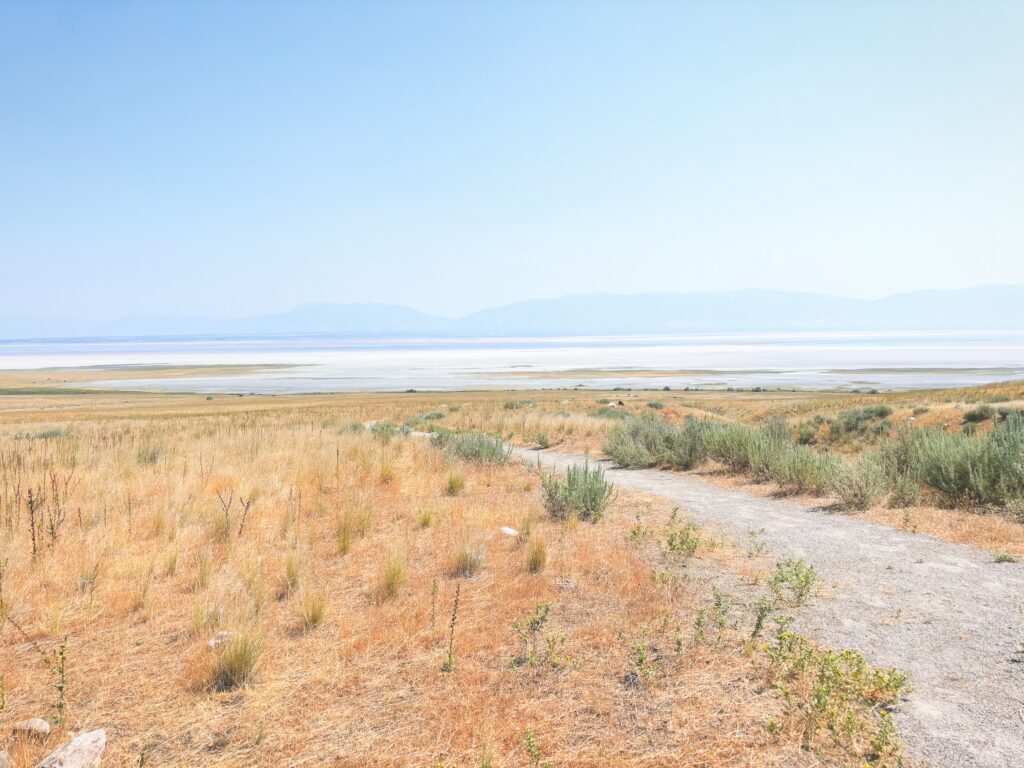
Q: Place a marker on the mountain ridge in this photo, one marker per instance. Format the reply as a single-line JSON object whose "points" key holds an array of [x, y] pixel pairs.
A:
{"points": [[983, 307]]}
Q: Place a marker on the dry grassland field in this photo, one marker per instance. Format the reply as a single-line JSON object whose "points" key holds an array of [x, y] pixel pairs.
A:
{"points": [[313, 580]]}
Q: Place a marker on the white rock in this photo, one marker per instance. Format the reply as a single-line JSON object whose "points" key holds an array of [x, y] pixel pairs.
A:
{"points": [[34, 727], [218, 640], [509, 531], [83, 751]]}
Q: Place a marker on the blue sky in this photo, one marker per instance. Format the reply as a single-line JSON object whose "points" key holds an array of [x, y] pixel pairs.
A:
{"points": [[236, 158]]}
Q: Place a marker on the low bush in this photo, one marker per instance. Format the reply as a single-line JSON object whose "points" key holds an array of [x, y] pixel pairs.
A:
{"points": [[471, 446], [839, 694], [583, 494], [386, 431], [862, 484], [647, 441], [235, 662], [979, 414], [465, 559], [607, 412], [799, 469], [455, 484], [536, 554]]}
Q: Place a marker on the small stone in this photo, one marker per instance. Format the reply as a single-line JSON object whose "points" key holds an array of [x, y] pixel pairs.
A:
{"points": [[218, 640], [33, 728], [509, 531], [5, 760], [83, 751]]}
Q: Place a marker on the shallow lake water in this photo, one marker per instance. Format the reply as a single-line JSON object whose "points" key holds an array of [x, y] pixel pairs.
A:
{"points": [[320, 364]]}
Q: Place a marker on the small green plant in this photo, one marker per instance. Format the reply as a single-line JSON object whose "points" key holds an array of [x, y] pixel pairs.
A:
{"points": [[235, 663], [656, 405], [683, 542], [583, 493], [643, 663], [311, 609], [424, 518], [764, 610], [465, 559], [57, 661], [1003, 557], [290, 575], [536, 554], [700, 626], [434, 586], [793, 581], [449, 661], [755, 547], [455, 483], [148, 454], [528, 629], [204, 570], [838, 692], [721, 609], [533, 750], [4, 605], [393, 576], [343, 535]]}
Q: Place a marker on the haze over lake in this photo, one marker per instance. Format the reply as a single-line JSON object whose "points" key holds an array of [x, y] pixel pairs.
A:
{"points": [[324, 364]]}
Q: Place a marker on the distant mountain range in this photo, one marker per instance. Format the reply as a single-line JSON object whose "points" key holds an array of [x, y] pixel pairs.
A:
{"points": [[987, 307]]}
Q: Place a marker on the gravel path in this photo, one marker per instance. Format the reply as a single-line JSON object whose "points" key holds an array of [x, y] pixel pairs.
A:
{"points": [[946, 613]]}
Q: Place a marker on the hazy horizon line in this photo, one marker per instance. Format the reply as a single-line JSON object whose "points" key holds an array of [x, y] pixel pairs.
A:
{"points": [[462, 316]]}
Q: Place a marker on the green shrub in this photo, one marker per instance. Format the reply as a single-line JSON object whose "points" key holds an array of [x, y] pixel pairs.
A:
{"points": [[471, 446], [647, 441], [733, 445], [606, 412], [793, 580], [235, 662], [386, 431], [903, 492], [808, 471], [583, 493], [840, 694], [864, 422], [149, 454], [46, 434], [655, 405], [862, 484], [979, 414], [985, 470], [455, 484]]}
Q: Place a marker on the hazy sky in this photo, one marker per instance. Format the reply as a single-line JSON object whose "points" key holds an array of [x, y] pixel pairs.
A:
{"points": [[234, 158]]}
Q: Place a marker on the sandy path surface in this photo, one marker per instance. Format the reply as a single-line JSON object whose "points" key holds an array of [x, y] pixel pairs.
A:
{"points": [[946, 613]]}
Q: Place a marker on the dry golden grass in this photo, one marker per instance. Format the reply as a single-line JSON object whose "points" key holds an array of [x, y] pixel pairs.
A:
{"points": [[167, 520]]}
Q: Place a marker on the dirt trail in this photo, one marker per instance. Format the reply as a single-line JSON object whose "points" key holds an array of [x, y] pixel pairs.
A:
{"points": [[944, 612]]}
